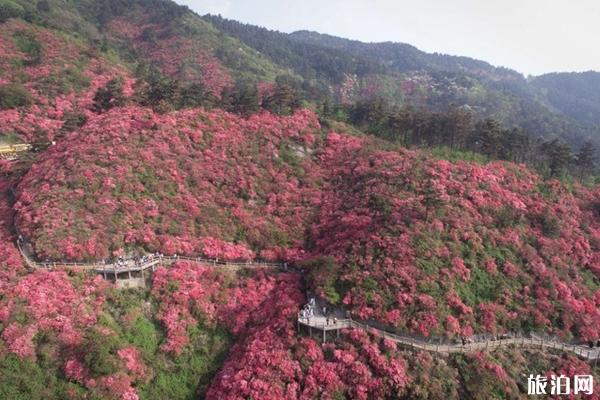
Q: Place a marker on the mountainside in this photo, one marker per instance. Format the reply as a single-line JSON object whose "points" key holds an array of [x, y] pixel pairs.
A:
{"points": [[428, 247], [222, 146], [405, 75], [574, 94], [188, 61], [404, 57], [184, 183]]}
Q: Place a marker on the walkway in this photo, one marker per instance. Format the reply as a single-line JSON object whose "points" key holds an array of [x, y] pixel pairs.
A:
{"points": [[130, 272], [132, 269], [11, 151], [319, 323]]}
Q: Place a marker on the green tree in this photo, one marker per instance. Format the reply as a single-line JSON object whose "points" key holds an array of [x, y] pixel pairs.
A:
{"points": [[109, 96], [14, 95], [558, 156], [242, 98], [487, 136], [10, 9], [283, 101], [43, 6], [457, 126], [28, 44], [514, 145], [585, 160], [157, 90]]}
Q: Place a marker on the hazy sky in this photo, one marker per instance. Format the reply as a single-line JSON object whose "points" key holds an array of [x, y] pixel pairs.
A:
{"points": [[531, 36]]}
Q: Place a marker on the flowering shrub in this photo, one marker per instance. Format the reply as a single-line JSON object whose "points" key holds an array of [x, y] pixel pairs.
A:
{"points": [[62, 81], [421, 244], [424, 245], [178, 56], [454, 248], [215, 248], [10, 260], [131, 357], [200, 183], [184, 290]]}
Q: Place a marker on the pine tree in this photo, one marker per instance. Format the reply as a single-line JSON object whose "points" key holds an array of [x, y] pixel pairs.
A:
{"points": [[241, 99], [558, 154], [586, 159], [109, 96], [283, 101]]}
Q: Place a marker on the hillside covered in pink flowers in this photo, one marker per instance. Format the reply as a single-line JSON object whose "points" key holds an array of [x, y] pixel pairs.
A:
{"points": [[418, 243], [136, 150], [426, 246]]}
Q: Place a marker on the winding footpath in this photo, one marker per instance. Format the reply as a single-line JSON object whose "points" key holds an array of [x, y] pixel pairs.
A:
{"points": [[326, 326], [319, 322], [131, 270]]}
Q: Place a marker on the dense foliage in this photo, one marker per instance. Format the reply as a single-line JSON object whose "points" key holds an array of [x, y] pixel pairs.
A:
{"points": [[438, 242], [575, 94], [182, 183], [419, 243], [405, 75], [438, 247]]}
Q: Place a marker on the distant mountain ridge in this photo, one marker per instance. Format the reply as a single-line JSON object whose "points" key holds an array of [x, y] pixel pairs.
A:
{"points": [[219, 53], [402, 56], [576, 94], [406, 75]]}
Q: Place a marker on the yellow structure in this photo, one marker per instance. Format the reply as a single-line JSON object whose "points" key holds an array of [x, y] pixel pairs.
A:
{"points": [[11, 151]]}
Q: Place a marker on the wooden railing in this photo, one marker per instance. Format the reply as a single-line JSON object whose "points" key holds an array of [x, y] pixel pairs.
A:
{"points": [[151, 261], [14, 148], [533, 340]]}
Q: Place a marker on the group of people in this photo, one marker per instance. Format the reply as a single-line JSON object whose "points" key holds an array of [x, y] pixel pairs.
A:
{"points": [[147, 258], [121, 262], [309, 311], [470, 340], [139, 261], [466, 340]]}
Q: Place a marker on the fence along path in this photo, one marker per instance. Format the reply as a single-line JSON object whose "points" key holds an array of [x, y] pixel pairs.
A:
{"points": [[114, 269], [110, 270], [534, 341], [320, 322]]}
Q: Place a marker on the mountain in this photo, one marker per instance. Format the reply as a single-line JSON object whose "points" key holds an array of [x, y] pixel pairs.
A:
{"points": [[405, 75], [206, 55], [403, 57], [573, 94], [239, 153]]}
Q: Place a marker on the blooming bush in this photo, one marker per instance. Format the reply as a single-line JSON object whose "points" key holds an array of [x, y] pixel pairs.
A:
{"points": [[61, 83], [435, 247], [424, 245], [189, 182], [177, 55]]}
